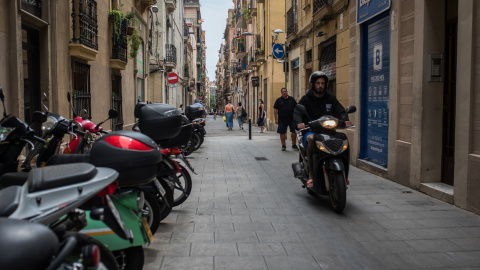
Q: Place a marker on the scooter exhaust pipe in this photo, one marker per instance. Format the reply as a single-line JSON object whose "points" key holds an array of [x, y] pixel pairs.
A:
{"points": [[297, 169]]}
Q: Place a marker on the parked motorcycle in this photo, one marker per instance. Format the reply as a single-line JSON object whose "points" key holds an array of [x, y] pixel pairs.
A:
{"points": [[331, 158]]}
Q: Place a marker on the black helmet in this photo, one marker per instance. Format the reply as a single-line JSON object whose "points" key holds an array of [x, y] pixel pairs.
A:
{"points": [[315, 76]]}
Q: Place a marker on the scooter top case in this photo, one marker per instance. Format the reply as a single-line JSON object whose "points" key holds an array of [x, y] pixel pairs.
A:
{"points": [[182, 138], [134, 155], [158, 121], [20, 244]]}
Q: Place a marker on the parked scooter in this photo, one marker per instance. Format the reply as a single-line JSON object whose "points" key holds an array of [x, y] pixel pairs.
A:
{"points": [[63, 198], [330, 158]]}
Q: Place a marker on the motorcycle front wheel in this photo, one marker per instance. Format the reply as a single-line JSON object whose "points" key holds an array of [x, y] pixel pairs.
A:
{"points": [[153, 209], [130, 259], [338, 191], [180, 195]]}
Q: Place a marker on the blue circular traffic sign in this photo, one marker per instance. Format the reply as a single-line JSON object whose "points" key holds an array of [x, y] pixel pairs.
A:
{"points": [[278, 51]]}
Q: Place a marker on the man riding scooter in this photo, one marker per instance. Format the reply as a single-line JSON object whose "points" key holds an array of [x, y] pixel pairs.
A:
{"points": [[318, 102]]}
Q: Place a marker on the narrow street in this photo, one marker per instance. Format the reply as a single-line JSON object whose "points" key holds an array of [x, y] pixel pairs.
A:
{"points": [[246, 211]]}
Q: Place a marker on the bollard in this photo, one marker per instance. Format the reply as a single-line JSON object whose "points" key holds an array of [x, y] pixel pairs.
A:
{"points": [[249, 129]]}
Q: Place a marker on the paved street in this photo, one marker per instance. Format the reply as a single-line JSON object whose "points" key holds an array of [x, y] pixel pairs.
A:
{"points": [[245, 213]]}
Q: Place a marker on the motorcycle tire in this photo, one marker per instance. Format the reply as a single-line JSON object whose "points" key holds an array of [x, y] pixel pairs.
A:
{"points": [[164, 208], [191, 144], [153, 209], [198, 140], [338, 191], [130, 259], [185, 179], [106, 256]]}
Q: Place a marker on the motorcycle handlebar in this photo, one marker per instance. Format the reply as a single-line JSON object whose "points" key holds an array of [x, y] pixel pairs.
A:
{"points": [[40, 139]]}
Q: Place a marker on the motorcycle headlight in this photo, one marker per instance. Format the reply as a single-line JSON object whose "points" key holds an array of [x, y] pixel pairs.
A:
{"points": [[329, 122], [4, 132], [49, 124], [334, 151]]}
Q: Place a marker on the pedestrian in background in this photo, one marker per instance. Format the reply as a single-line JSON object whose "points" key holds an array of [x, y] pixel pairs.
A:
{"points": [[261, 115], [215, 113], [283, 112], [229, 115], [238, 112]]}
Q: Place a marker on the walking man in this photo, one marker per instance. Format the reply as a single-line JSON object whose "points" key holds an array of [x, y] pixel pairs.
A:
{"points": [[283, 112]]}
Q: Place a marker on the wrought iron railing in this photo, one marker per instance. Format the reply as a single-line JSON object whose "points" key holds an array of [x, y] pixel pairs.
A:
{"points": [[240, 46], [119, 47], [291, 21], [171, 53], [32, 6], [81, 87], [84, 23], [117, 123], [319, 4]]}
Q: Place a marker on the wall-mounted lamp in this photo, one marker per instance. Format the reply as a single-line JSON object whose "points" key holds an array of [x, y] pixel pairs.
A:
{"points": [[276, 32], [155, 9], [320, 34]]}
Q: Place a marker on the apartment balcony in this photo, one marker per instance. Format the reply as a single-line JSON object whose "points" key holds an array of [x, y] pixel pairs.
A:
{"points": [[192, 3], [119, 48], [84, 43], [292, 25], [171, 57], [171, 5], [322, 8]]}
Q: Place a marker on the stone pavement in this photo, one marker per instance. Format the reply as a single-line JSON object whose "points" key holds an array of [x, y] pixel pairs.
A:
{"points": [[246, 212]]}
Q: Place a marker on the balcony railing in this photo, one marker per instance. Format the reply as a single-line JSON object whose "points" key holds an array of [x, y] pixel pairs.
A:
{"points": [[171, 54], [319, 4], [192, 3], [84, 23], [240, 46], [119, 47], [291, 21]]}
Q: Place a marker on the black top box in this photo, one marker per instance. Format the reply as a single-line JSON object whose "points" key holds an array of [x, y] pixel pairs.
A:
{"points": [[193, 112], [158, 121]]}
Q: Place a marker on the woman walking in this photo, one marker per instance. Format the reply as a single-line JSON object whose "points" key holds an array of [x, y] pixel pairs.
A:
{"points": [[239, 111], [229, 115], [261, 115]]}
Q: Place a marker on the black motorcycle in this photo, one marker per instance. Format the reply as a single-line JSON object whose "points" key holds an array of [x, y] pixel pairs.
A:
{"points": [[331, 158]]}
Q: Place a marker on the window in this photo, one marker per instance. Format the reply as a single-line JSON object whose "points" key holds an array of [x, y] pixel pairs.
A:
{"points": [[81, 87], [328, 56], [117, 123]]}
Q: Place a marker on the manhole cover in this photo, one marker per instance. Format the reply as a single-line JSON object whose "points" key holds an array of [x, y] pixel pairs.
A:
{"points": [[261, 158]]}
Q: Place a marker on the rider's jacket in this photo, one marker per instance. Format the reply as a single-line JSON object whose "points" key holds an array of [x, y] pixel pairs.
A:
{"points": [[318, 107]]}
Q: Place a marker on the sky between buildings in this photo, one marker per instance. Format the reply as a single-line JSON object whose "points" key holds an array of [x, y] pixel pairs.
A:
{"points": [[214, 13]]}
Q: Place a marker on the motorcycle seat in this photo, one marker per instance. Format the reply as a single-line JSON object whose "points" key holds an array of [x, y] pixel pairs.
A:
{"points": [[13, 179], [26, 245], [9, 200], [60, 175]]}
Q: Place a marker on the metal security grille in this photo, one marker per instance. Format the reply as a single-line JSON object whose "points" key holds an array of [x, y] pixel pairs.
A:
{"points": [[84, 23], [81, 87], [320, 4], [328, 58], [117, 123]]}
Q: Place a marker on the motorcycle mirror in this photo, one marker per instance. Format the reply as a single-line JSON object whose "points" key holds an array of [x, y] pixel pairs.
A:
{"points": [[45, 98], [2, 98], [84, 114], [39, 116], [351, 109], [69, 101], [112, 113]]}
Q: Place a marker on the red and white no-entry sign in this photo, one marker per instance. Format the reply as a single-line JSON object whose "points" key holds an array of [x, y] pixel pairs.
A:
{"points": [[172, 78]]}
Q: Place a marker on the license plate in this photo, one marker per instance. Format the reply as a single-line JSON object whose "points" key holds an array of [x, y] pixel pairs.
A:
{"points": [[147, 229]]}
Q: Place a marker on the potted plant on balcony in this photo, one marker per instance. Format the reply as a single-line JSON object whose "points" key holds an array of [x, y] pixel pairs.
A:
{"points": [[259, 51], [130, 16], [135, 42], [117, 18], [247, 14]]}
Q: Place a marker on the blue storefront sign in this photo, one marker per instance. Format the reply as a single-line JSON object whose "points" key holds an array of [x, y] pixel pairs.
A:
{"points": [[367, 9], [375, 89]]}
